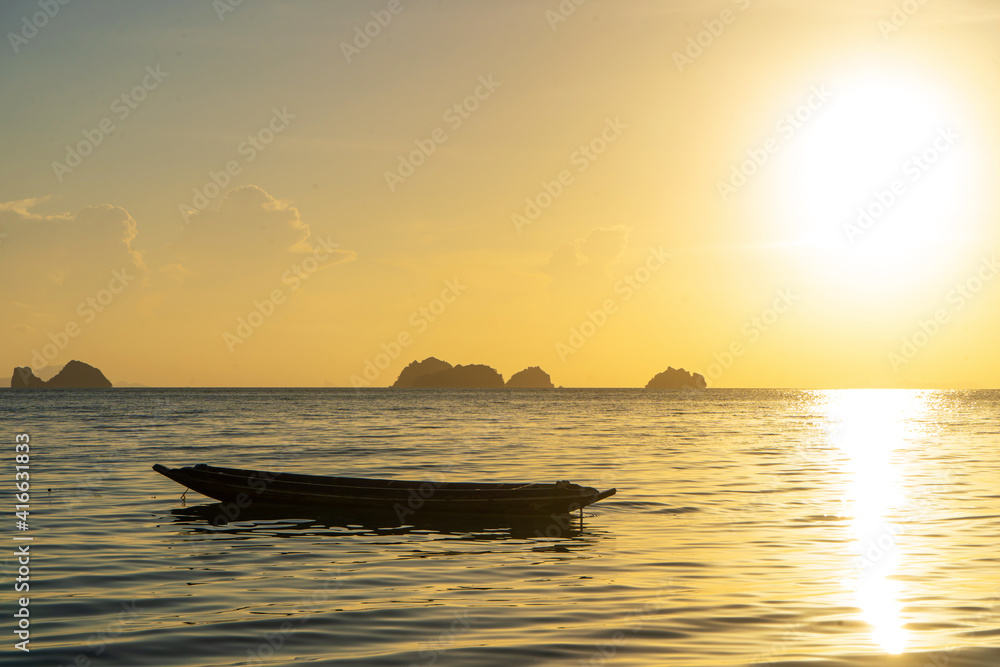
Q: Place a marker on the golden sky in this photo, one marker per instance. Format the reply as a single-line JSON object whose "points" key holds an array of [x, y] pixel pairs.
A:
{"points": [[772, 193]]}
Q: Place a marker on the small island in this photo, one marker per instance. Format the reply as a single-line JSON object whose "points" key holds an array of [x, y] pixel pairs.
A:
{"points": [[417, 369], [431, 373], [74, 375], [677, 378], [530, 378], [434, 373]]}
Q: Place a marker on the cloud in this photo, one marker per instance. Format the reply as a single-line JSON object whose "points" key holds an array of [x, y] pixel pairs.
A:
{"points": [[54, 260], [251, 234], [21, 208]]}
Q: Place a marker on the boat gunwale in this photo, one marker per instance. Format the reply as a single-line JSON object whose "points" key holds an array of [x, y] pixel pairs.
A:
{"points": [[213, 478], [368, 482]]}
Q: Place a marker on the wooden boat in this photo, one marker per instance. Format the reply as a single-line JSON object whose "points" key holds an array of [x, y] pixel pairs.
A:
{"points": [[405, 498]]}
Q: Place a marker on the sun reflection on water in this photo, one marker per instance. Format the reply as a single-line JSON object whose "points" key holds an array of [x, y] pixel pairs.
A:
{"points": [[869, 426]]}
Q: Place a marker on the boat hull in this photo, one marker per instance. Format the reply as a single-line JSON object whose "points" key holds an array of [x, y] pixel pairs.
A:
{"points": [[404, 498]]}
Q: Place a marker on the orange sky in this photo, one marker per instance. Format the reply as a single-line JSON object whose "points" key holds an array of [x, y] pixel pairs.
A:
{"points": [[769, 193]]}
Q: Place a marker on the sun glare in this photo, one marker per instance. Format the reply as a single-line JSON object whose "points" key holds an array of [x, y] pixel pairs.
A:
{"points": [[881, 185]]}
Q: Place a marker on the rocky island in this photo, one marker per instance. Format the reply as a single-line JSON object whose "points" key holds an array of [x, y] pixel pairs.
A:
{"points": [[432, 372], [530, 378], [473, 376], [418, 369], [677, 378], [74, 375]]}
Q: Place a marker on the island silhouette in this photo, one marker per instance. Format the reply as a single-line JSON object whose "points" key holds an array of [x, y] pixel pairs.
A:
{"points": [[417, 369], [677, 378], [74, 375], [433, 372], [473, 376], [530, 378], [429, 373]]}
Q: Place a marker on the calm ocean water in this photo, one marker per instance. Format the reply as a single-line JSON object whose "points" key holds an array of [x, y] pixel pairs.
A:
{"points": [[855, 527]]}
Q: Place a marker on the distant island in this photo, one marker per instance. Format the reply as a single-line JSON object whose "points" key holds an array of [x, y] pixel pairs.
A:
{"points": [[433, 372], [418, 369], [530, 378], [429, 373], [677, 378], [74, 375]]}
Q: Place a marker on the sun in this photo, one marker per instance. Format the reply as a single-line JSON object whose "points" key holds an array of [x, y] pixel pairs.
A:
{"points": [[881, 186]]}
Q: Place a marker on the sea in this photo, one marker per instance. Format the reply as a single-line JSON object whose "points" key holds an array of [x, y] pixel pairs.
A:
{"points": [[770, 528]]}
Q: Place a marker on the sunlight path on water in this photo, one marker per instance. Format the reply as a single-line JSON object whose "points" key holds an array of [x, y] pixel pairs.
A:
{"points": [[869, 427]]}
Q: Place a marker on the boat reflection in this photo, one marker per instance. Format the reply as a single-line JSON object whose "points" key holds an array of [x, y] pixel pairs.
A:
{"points": [[869, 426], [286, 520]]}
